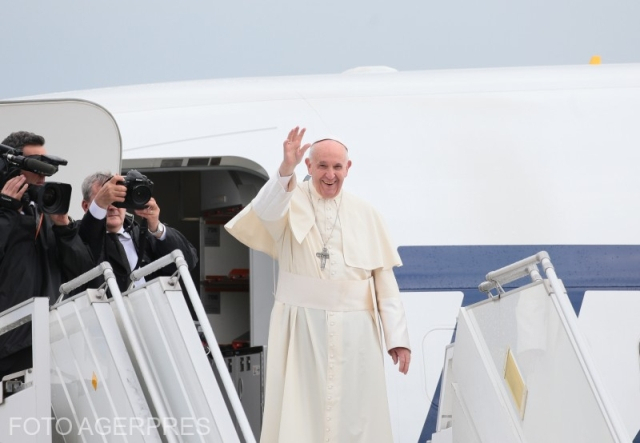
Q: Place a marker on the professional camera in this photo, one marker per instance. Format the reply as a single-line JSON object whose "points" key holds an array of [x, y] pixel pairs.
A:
{"points": [[52, 197], [139, 191]]}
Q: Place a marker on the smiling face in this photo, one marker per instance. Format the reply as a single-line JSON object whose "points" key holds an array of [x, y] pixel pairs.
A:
{"points": [[328, 165]]}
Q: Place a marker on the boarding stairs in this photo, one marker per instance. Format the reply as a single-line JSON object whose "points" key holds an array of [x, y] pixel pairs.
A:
{"points": [[121, 367], [520, 369]]}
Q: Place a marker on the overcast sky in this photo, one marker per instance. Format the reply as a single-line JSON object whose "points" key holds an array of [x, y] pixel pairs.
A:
{"points": [[54, 46]]}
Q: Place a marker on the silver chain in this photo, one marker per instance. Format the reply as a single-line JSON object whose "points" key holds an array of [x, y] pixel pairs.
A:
{"points": [[324, 243]]}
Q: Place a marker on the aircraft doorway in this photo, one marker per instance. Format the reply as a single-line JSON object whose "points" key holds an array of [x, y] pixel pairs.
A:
{"points": [[236, 283]]}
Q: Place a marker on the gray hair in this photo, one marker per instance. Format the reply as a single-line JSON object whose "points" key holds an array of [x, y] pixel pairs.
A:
{"points": [[313, 145], [87, 183]]}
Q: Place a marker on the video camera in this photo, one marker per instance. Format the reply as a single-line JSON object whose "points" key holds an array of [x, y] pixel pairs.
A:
{"points": [[139, 191], [52, 197]]}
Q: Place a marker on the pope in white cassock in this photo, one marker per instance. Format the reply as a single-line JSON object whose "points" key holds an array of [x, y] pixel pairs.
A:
{"points": [[325, 375]]}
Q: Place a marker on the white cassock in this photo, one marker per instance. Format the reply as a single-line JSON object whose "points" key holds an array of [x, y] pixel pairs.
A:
{"points": [[325, 374]]}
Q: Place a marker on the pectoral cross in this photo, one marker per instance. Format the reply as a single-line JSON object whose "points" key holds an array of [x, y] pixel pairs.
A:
{"points": [[323, 256]]}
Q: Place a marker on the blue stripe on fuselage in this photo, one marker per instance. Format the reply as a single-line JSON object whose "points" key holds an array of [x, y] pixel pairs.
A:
{"points": [[463, 268]]}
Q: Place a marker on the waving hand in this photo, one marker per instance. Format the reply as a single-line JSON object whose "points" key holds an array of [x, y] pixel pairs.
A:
{"points": [[293, 151]]}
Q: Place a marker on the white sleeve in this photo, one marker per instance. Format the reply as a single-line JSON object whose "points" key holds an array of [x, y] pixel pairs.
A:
{"points": [[97, 211], [164, 231], [394, 322], [272, 202]]}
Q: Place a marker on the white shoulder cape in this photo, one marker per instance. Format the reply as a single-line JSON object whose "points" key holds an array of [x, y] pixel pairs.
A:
{"points": [[366, 243]]}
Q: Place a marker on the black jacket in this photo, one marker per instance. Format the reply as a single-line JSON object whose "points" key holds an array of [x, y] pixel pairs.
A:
{"points": [[34, 262], [149, 248]]}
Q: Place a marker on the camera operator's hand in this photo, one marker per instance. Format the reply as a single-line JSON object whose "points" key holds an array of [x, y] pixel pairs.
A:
{"points": [[60, 219], [151, 213], [111, 192], [16, 187]]}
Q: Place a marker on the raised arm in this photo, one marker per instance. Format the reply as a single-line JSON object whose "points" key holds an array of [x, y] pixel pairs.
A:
{"points": [[293, 151]]}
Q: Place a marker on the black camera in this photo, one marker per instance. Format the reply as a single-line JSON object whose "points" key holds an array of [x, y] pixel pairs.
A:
{"points": [[139, 191], [52, 198]]}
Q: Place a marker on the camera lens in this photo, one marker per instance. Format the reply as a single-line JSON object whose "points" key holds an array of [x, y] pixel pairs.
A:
{"points": [[140, 195], [50, 196]]}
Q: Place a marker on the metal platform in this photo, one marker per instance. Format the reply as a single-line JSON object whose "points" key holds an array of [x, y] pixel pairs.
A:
{"points": [[112, 367], [520, 369]]}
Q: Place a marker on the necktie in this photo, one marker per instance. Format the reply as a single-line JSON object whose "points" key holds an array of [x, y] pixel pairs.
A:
{"points": [[121, 252]]}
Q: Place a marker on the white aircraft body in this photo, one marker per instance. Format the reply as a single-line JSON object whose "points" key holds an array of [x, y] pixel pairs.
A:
{"points": [[472, 170]]}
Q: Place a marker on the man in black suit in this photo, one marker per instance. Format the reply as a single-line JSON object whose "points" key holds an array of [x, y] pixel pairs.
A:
{"points": [[113, 236]]}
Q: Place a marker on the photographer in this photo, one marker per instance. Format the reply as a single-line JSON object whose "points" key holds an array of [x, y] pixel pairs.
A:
{"points": [[31, 268], [113, 236]]}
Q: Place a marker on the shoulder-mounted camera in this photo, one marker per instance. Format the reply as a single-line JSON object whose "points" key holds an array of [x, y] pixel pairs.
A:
{"points": [[52, 197]]}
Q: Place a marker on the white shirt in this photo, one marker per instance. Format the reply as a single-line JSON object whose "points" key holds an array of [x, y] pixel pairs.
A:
{"points": [[125, 239]]}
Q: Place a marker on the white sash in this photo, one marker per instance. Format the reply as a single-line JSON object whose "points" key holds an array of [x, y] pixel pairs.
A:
{"points": [[328, 295]]}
